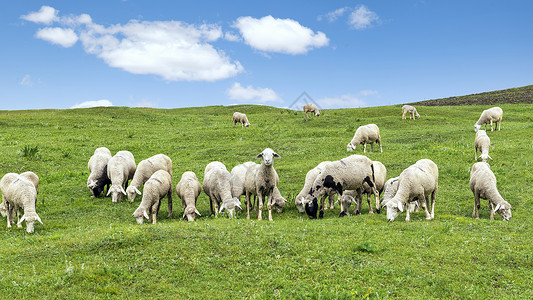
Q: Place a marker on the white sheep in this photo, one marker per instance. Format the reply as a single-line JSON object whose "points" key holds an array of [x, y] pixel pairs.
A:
{"points": [[380, 175], [145, 169], [483, 185], [240, 118], [260, 181], [309, 179], [10, 177], [348, 197], [238, 173], [120, 170], [389, 191], [348, 173], [188, 189], [418, 181], [217, 186], [310, 107], [21, 193], [33, 178], [97, 165], [489, 116], [365, 134], [482, 143], [156, 188], [411, 110]]}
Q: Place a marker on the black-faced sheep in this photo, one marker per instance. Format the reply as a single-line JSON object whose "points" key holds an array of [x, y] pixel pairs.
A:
{"points": [[120, 170], [144, 170], [483, 185], [490, 116], [310, 107], [156, 188], [366, 134], [188, 189], [411, 110], [240, 118], [97, 165]]}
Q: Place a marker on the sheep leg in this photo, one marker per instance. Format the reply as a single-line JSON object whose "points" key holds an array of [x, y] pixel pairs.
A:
{"points": [[408, 216], [433, 198], [380, 148], [169, 196], [378, 203], [9, 214], [475, 153], [247, 199], [370, 211], [269, 206], [491, 208], [364, 147], [260, 206], [211, 204], [322, 201], [499, 123], [371, 147], [358, 198], [426, 209], [491, 126], [403, 115], [155, 210], [332, 201]]}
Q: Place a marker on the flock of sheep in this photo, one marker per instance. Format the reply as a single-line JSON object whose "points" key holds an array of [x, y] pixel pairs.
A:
{"points": [[350, 178]]}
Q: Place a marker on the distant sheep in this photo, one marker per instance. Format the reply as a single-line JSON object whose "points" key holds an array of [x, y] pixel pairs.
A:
{"points": [[411, 110], [188, 189], [217, 186], [483, 185], [366, 134], [309, 180], [482, 143], [490, 116], [120, 170], [156, 188], [98, 178], [21, 193], [310, 107], [240, 118], [144, 170]]}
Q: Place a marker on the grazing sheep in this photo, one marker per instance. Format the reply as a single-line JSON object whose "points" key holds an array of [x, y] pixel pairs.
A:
{"points": [[389, 191], [145, 169], [489, 116], [260, 181], [218, 187], [33, 178], [156, 188], [348, 173], [380, 175], [120, 170], [310, 107], [6, 180], [238, 173], [98, 178], [188, 190], [21, 193], [309, 179], [348, 197], [240, 118], [366, 134], [408, 109], [482, 143], [418, 181], [483, 185]]}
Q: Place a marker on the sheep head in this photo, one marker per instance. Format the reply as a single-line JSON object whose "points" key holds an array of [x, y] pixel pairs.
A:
{"points": [[30, 218], [417, 116], [347, 201], [140, 214], [485, 157], [311, 206], [299, 204], [476, 127], [278, 204], [230, 207], [247, 124], [3, 209], [191, 213], [394, 208], [268, 156], [350, 147], [91, 184], [116, 192], [504, 210], [132, 191]]}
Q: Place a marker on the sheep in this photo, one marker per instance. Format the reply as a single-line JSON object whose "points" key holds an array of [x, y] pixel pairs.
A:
{"points": [[310, 107], [389, 190], [120, 170], [482, 143], [145, 169], [21, 193], [348, 197], [309, 179], [240, 118], [156, 188], [366, 134], [97, 165], [238, 174], [483, 185], [260, 181], [217, 186], [411, 110], [418, 181], [10, 177], [348, 173], [188, 189], [33, 178], [491, 115], [380, 175]]}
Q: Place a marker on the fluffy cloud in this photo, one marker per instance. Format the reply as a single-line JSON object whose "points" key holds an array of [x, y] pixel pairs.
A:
{"points": [[332, 16], [56, 35], [45, 15], [251, 94], [344, 101], [362, 18], [96, 103], [279, 35]]}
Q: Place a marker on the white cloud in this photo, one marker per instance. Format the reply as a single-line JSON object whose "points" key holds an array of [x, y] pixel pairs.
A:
{"points": [[344, 101], [279, 35], [26, 80], [368, 93], [332, 16], [96, 103], [251, 94], [232, 37], [56, 35], [362, 18], [45, 15]]}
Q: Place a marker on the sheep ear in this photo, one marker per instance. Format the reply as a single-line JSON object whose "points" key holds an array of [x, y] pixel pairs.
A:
{"points": [[21, 219], [137, 191], [238, 204], [260, 155], [123, 191], [39, 219], [400, 206], [108, 192], [489, 157], [197, 212], [276, 155], [497, 207], [145, 214]]}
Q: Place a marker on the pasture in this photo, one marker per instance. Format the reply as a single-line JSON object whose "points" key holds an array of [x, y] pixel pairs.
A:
{"points": [[92, 248]]}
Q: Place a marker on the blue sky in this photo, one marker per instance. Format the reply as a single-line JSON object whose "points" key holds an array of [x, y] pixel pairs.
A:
{"points": [[168, 54]]}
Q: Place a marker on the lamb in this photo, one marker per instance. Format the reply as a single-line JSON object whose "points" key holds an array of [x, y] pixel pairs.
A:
{"points": [[156, 188], [120, 170], [483, 185], [188, 189], [310, 107], [380, 175], [411, 110], [260, 181], [418, 181], [240, 118], [491, 115], [348, 173], [217, 186], [145, 169], [482, 143], [366, 134], [98, 178], [21, 193], [309, 179]]}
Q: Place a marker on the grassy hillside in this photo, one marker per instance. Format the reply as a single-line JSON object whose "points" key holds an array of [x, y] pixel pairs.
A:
{"points": [[514, 95], [92, 248]]}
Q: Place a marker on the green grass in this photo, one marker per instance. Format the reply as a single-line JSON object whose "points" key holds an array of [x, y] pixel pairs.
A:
{"points": [[92, 248]]}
